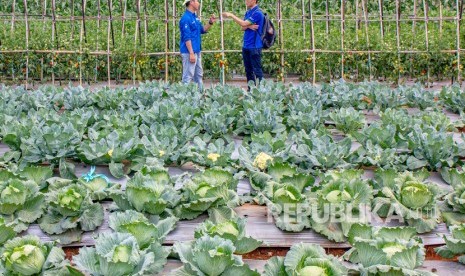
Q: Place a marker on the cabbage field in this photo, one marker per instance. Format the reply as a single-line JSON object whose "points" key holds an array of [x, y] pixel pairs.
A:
{"points": [[348, 179]]}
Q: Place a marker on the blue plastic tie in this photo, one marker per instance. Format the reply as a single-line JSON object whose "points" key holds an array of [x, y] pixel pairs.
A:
{"points": [[91, 176]]}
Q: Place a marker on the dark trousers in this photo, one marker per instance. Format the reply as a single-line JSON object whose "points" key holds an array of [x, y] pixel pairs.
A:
{"points": [[253, 64]]}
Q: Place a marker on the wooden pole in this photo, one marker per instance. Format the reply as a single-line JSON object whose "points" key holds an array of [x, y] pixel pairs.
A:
{"points": [[381, 20], [303, 17], [327, 17], [146, 26], [313, 42], [425, 11], [327, 35], [222, 40], [136, 34], [72, 20], [98, 16], [13, 16], [98, 39], [167, 39], [174, 25], [84, 2], [357, 22], [109, 31], [281, 35], [138, 22], [367, 36], [81, 36], [440, 18], [457, 25], [110, 7], [398, 36], [414, 22], [44, 13], [27, 43], [54, 37], [342, 36], [123, 10]]}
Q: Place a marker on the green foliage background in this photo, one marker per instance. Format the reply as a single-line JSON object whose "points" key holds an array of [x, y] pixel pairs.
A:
{"points": [[128, 55]]}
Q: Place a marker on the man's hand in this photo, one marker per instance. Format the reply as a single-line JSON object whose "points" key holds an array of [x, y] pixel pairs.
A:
{"points": [[192, 58], [227, 14], [213, 18]]}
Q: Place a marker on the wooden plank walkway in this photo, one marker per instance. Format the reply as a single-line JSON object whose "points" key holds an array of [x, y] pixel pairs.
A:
{"points": [[260, 225], [446, 268]]}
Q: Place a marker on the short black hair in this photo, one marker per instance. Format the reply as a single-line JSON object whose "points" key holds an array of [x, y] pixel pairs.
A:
{"points": [[188, 3]]}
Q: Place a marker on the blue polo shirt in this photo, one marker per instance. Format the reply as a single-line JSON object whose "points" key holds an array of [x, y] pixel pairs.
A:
{"points": [[252, 39], [191, 29]]}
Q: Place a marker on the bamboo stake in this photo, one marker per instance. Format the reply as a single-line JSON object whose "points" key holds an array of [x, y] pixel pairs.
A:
{"points": [[381, 19], [414, 22], [342, 37], [123, 9], [327, 34], [138, 22], [54, 36], [398, 37], [367, 36], [84, 2], [98, 16], [357, 21], [425, 11], [146, 26], [313, 43], [72, 20], [13, 17], [222, 40], [27, 43], [97, 41], [166, 41], [136, 34], [327, 17], [440, 21], [109, 31], [303, 18], [457, 25], [82, 33], [174, 25], [281, 35], [110, 7], [44, 12]]}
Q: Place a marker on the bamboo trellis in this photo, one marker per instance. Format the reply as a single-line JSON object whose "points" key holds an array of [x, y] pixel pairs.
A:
{"points": [[307, 17]]}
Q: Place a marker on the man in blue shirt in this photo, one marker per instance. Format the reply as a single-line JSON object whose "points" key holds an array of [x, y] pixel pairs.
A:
{"points": [[191, 42], [252, 25]]}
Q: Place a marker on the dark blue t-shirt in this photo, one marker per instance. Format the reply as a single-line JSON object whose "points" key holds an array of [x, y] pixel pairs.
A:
{"points": [[252, 39], [191, 29]]}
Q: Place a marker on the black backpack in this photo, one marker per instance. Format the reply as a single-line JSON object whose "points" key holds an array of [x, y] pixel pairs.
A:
{"points": [[269, 32]]}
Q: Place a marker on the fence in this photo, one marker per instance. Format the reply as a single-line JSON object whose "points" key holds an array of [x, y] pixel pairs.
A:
{"points": [[360, 39]]}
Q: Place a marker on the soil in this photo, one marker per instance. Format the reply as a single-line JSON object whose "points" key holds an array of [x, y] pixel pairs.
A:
{"points": [[265, 253]]}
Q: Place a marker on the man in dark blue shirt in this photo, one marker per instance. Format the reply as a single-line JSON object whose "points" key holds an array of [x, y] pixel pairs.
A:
{"points": [[252, 25], [191, 42]]}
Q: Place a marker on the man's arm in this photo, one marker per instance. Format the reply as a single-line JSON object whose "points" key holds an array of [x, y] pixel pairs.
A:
{"points": [[191, 51], [252, 27], [240, 22], [209, 24]]}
